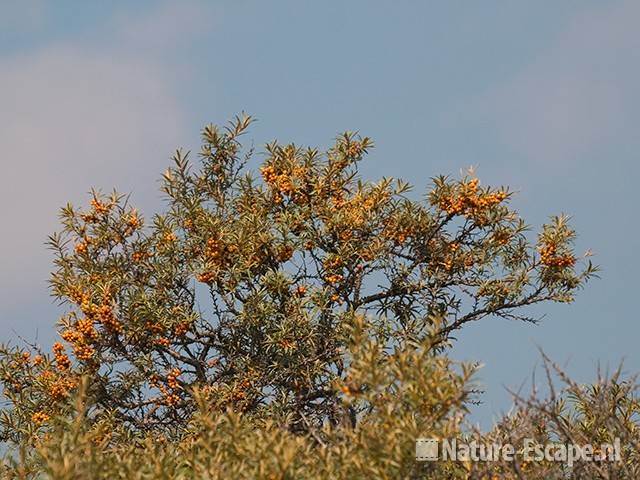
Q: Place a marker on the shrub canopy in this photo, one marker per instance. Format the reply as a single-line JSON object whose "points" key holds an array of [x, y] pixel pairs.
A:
{"points": [[301, 300]]}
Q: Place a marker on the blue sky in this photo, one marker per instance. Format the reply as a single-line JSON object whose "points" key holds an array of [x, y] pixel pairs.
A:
{"points": [[539, 95]]}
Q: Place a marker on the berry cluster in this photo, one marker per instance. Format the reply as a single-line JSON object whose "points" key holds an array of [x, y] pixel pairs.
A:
{"points": [[139, 256], [60, 389], [470, 201], [169, 396], [82, 247], [62, 360], [282, 181], [550, 258], [162, 341], [181, 328], [40, 417], [80, 337], [395, 231], [99, 207], [216, 255]]}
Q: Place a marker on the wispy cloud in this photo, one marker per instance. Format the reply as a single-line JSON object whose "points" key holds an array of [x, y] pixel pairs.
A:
{"points": [[577, 94], [71, 118]]}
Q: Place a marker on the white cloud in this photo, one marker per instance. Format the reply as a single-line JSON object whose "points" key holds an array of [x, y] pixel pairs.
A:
{"points": [[73, 118], [579, 93]]}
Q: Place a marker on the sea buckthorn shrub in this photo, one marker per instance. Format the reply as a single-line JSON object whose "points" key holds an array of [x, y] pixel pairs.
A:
{"points": [[430, 402], [592, 415], [246, 293], [415, 394]]}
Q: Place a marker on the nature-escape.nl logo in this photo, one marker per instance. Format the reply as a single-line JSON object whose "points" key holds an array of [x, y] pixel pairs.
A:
{"points": [[431, 449]]}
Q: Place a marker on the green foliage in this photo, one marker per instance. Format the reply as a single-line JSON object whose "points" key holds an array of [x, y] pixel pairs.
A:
{"points": [[290, 326]]}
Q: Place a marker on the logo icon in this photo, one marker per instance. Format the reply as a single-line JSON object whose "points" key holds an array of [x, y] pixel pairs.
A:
{"points": [[426, 449]]}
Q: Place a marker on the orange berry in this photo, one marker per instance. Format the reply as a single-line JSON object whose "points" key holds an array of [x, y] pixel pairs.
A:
{"points": [[39, 418]]}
